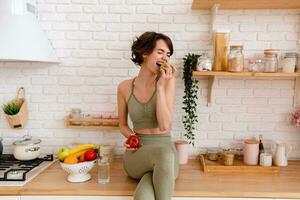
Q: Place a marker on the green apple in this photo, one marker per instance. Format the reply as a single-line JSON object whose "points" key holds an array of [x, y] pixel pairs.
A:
{"points": [[62, 153], [163, 66]]}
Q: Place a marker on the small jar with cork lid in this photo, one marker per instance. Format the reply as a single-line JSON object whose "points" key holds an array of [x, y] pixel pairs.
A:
{"points": [[236, 59], [271, 61]]}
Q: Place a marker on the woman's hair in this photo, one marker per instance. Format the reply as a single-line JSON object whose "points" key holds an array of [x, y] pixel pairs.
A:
{"points": [[145, 44]]}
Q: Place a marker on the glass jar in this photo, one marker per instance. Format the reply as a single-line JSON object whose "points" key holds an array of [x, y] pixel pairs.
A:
{"points": [[204, 63], [76, 113], [220, 49], [259, 65], [289, 62], [213, 153], [271, 62], [251, 65], [236, 59]]}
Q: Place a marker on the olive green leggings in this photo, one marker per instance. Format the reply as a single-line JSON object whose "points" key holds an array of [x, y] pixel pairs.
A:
{"points": [[156, 165]]}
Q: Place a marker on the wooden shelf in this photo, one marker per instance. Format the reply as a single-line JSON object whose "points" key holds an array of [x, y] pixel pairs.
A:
{"points": [[247, 4], [92, 123], [244, 74], [212, 74]]}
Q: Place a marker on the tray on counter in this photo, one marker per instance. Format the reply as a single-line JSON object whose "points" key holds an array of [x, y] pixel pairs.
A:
{"points": [[209, 166]]}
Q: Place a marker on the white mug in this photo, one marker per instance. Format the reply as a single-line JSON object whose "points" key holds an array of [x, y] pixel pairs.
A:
{"points": [[265, 160]]}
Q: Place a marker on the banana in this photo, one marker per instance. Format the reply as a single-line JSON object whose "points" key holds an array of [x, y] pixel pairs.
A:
{"points": [[82, 147], [78, 154]]}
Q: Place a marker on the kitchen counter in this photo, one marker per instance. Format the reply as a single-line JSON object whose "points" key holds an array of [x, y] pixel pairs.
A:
{"points": [[191, 182]]}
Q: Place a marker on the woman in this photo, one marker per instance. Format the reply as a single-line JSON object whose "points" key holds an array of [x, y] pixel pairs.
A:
{"points": [[148, 99]]}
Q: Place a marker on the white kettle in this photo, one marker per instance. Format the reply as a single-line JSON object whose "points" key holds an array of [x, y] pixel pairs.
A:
{"points": [[281, 154]]}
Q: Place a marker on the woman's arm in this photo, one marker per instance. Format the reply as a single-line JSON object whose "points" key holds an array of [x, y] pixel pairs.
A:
{"points": [[165, 99], [122, 110]]}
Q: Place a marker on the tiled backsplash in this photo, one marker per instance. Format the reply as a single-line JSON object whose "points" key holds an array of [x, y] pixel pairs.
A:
{"points": [[92, 39]]}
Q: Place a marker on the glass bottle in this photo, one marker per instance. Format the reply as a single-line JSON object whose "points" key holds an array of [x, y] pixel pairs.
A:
{"points": [[298, 64], [236, 59], [103, 170], [261, 146]]}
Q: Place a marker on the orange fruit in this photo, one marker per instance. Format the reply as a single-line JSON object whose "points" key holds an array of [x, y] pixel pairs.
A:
{"points": [[71, 159]]}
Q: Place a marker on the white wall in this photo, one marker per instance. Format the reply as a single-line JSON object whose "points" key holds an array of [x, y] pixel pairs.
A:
{"points": [[92, 39]]}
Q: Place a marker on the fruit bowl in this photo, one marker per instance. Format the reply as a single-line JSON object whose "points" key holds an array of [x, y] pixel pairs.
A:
{"points": [[78, 172]]}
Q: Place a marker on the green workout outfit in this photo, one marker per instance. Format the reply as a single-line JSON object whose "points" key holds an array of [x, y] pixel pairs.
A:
{"points": [[156, 162]]}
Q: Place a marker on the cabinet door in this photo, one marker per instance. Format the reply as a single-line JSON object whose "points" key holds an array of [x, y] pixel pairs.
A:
{"points": [[121, 198], [212, 198], [9, 197]]}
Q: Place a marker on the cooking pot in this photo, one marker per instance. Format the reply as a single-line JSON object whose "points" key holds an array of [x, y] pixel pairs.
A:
{"points": [[27, 148], [1, 146]]}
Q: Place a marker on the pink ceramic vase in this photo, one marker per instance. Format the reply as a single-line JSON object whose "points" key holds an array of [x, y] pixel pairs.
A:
{"points": [[182, 151]]}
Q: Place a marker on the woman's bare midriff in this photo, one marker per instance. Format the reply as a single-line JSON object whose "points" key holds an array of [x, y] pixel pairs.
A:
{"points": [[150, 131]]}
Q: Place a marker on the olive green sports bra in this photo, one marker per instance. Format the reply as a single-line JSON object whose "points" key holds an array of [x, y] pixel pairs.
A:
{"points": [[142, 115]]}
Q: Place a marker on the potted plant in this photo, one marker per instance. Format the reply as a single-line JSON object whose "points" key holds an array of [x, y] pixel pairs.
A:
{"points": [[11, 108], [16, 111], [190, 97]]}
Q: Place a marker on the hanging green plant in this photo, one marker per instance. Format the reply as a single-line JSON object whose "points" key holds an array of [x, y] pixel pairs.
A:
{"points": [[190, 97]]}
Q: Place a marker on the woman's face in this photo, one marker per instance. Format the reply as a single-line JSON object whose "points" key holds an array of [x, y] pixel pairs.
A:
{"points": [[159, 55]]}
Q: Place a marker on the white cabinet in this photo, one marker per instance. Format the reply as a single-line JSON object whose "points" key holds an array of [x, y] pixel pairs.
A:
{"points": [[219, 198], [123, 198], [9, 197]]}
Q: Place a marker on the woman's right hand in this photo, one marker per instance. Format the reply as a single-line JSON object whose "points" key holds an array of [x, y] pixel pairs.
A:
{"points": [[166, 74], [128, 147]]}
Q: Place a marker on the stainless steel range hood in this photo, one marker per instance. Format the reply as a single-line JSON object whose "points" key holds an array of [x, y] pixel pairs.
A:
{"points": [[21, 36]]}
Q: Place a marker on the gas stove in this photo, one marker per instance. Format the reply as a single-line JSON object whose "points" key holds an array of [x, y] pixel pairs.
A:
{"points": [[17, 173]]}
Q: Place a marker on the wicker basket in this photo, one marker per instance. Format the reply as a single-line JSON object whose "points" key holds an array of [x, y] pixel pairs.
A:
{"points": [[19, 120]]}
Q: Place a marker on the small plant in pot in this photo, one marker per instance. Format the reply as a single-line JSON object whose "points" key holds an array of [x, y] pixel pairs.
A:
{"points": [[189, 106], [11, 108], [16, 111]]}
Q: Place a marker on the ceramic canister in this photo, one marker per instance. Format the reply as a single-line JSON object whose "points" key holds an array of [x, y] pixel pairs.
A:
{"points": [[251, 151], [182, 151]]}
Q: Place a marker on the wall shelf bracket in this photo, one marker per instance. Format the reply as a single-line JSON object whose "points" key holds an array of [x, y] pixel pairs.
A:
{"points": [[211, 81]]}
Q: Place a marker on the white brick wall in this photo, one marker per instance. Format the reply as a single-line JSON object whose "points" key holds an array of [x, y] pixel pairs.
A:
{"points": [[92, 39]]}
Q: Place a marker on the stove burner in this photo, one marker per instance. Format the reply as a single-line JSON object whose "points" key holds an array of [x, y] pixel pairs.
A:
{"points": [[16, 170]]}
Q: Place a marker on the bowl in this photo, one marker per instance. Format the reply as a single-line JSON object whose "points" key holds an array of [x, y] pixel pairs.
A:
{"points": [[78, 172]]}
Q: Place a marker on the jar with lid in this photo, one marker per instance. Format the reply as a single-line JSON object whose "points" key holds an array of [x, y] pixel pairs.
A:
{"points": [[271, 62], [289, 62], [204, 63], [236, 59]]}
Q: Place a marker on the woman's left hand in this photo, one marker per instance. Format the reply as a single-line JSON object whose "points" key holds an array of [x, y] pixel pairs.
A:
{"points": [[166, 75]]}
